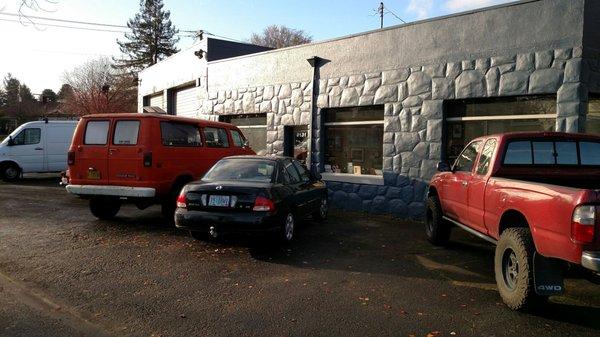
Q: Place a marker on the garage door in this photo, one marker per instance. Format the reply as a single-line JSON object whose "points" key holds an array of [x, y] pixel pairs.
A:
{"points": [[157, 100], [186, 102]]}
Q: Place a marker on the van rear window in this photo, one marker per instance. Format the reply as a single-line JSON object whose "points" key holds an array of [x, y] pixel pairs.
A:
{"points": [[96, 133], [126, 132], [180, 134], [525, 152]]}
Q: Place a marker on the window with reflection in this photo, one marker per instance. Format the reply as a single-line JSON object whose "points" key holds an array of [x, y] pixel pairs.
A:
{"points": [[592, 122], [254, 127]]}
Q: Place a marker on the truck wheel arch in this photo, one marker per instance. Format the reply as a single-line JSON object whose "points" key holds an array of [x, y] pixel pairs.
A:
{"points": [[512, 219], [432, 192]]}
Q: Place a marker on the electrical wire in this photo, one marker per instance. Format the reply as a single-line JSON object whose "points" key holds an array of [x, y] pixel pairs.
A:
{"points": [[394, 14], [71, 27]]}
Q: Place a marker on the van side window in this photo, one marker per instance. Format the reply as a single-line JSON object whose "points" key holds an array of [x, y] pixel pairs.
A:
{"points": [[238, 140], [216, 137], [28, 137], [126, 132], [96, 133], [180, 134]]}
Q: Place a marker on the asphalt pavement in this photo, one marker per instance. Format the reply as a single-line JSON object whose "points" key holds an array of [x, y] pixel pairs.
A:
{"points": [[64, 273]]}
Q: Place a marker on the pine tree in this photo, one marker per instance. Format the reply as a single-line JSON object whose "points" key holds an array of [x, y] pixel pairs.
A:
{"points": [[152, 38]]}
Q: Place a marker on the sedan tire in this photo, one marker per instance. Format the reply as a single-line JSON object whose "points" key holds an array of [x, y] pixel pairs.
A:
{"points": [[288, 228], [321, 214]]}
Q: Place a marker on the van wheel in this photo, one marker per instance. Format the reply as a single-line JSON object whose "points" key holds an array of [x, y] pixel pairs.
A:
{"points": [[436, 228], [513, 266], [10, 172], [105, 208]]}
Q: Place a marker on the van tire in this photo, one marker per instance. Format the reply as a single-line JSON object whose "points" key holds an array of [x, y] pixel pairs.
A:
{"points": [[10, 172], [436, 228], [105, 208], [513, 268]]}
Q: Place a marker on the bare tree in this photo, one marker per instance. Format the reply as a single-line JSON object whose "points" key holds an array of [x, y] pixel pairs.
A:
{"points": [[277, 36], [98, 87]]}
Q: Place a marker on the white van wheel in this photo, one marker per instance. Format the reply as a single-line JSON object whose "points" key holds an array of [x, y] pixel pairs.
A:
{"points": [[10, 172]]}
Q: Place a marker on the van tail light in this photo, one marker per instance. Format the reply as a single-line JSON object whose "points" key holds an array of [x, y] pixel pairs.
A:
{"points": [[148, 159], [71, 158], [181, 201], [263, 204], [583, 224]]}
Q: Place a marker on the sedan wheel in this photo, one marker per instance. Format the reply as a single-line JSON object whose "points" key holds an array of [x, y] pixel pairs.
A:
{"points": [[321, 213], [288, 228]]}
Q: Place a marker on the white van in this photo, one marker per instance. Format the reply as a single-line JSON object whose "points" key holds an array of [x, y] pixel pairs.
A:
{"points": [[39, 147]]}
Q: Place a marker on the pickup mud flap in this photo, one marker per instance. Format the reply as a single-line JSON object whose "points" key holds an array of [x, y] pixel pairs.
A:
{"points": [[548, 278]]}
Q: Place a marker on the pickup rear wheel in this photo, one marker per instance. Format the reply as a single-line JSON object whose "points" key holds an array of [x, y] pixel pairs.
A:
{"points": [[436, 228], [513, 266], [105, 208]]}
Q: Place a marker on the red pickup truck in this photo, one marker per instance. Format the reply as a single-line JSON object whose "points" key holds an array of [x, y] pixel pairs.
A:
{"points": [[536, 195]]}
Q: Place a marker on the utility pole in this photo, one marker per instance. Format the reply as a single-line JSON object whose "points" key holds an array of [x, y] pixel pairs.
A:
{"points": [[380, 11]]}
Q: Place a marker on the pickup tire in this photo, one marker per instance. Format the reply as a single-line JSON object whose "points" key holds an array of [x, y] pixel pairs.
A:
{"points": [[513, 267], [105, 208], [436, 228]]}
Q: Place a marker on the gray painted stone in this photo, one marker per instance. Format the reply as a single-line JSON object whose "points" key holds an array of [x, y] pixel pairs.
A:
{"points": [[492, 79], [373, 75], [391, 124], [371, 86], [420, 150], [402, 91], [545, 81], [322, 101], [297, 97], [366, 100], [432, 109], [562, 54], [288, 119], [577, 52], [500, 60], [248, 102], [405, 117], [543, 59], [285, 91], [229, 106], [435, 151], [349, 97], [355, 80], [389, 150], [514, 83], [570, 92], [394, 76], [388, 109], [388, 137], [442, 88], [265, 106], [412, 101], [434, 130], [418, 83], [387, 164], [428, 168], [525, 62], [468, 65], [436, 70], [506, 68], [406, 141], [470, 84], [386, 93], [565, 109], [573, 71], [268, 92], [453, 69], [417, 123], [482, 65]]}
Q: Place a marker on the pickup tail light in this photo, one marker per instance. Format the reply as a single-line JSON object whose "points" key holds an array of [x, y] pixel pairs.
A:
{"points": [[71, 157], [148, 159], [181, 201], [263, 204], [583, 224]]}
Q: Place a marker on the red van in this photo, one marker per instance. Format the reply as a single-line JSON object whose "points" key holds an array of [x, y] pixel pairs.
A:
{"points": [[144, 159]]}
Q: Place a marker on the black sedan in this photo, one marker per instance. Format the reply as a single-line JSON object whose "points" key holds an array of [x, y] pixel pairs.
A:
{"points": [[251, 194]]}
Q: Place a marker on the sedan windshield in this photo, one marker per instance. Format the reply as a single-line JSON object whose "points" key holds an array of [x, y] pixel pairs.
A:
{"points": [[242, 169]]}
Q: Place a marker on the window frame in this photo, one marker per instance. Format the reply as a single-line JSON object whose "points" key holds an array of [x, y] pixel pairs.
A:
{"points": [[137, 139], [553, 141], [231, 131], [196, 126], [495, 146], [22, 132], [475, 160], [355, 123], [291, 164], [216, 128], [107, 132]]}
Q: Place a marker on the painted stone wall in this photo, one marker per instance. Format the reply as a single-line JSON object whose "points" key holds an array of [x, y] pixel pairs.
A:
{"points": [[413, 114]]}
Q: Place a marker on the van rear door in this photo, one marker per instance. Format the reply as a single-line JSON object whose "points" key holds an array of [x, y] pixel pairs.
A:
{"points": [[91, 163], [125, 153]]}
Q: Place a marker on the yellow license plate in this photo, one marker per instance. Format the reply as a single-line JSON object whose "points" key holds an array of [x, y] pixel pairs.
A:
{"points": [[95, 174]]}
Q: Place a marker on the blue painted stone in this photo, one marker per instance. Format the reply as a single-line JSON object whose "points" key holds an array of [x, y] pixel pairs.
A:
{"points": [[420, 188], [407, 193], [353, 202], [339, 198], [393, 192], [382, 190], [402, 181], [379, 205], [416, 210], [389, 178], [397, 208], [348, 188], [367, 191], [333, 185], [366, 206]]}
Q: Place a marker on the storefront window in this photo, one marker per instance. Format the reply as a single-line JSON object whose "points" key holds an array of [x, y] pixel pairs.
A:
{"points": [[354, 140], [254, 128], [592, 122], [469, 119]]}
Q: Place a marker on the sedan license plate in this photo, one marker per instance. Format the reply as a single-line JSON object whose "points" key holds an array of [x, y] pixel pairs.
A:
{"points": [[93, 174], [218, 200]]}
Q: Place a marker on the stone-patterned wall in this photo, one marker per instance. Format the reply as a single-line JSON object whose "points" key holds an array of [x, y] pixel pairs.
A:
{"points": [[413, 114]]}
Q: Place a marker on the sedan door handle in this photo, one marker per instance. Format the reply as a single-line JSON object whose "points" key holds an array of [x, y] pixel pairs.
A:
{"points": [[464, 183]]}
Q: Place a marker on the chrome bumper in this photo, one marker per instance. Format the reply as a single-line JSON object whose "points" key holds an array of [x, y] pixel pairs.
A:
{"points": [[115, 191], [591, 260]]}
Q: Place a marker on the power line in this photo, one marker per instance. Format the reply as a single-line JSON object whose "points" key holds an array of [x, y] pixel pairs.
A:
{"points": [[394, 14], [382, 10], [63, 26]]}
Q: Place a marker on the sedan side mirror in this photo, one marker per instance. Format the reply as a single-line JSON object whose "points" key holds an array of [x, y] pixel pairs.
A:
{"points": [[443, 167]]}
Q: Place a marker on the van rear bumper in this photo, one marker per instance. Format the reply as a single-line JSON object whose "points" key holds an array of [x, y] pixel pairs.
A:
{"points": [[116, 191]]}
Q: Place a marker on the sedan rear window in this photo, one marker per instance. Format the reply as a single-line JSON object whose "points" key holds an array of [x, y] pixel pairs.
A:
{"points": [[242, 169], [96, 133]]}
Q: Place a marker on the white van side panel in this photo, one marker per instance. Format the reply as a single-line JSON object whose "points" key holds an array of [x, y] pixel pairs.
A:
{"points": [[58, 140]]}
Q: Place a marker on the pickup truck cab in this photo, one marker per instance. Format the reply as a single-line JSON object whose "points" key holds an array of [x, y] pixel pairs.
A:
{"points": [[144, 158], [535, 195]]}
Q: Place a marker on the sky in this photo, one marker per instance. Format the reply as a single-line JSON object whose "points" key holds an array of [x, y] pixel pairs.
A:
{"points": [[39, 55]]}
